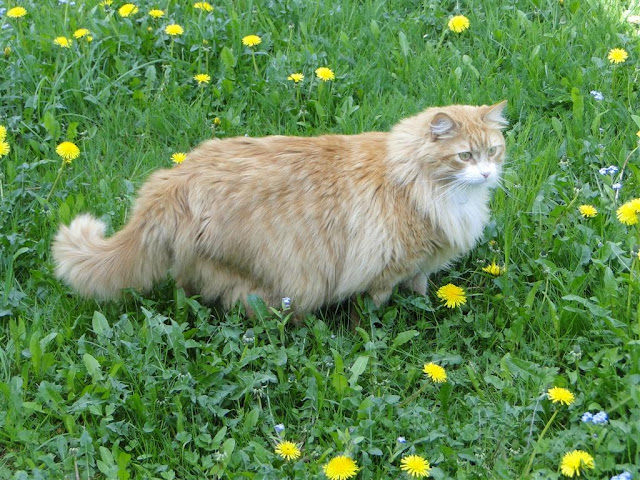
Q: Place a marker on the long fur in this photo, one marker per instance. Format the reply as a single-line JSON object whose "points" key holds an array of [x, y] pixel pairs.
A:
{"points": [[314, 219]]}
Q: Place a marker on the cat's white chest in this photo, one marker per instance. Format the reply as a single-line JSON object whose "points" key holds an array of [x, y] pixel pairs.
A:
{"points": [[464, 219]]}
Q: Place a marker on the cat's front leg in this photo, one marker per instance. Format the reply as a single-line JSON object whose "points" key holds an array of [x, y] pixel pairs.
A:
{"points": [[380, 295], [417, 284]]}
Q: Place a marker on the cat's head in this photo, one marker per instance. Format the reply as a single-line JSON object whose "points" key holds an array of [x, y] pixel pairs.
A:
{"points": [[468, 143], [461, 145]]}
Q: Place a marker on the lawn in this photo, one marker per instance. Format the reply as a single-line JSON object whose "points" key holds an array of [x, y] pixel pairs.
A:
{"points": [[535, 376]]}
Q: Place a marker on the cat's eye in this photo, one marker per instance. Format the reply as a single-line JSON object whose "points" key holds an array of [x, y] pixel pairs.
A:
{"points": [[464, 155], [492, 151]]}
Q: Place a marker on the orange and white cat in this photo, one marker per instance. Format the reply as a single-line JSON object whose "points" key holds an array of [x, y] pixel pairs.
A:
{"points": [[313, 219]]}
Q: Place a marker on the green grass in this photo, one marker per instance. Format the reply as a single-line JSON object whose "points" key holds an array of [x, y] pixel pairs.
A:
{"points": [[160, 386]]}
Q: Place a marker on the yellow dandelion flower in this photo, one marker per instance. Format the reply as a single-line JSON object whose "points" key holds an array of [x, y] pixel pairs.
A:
{"points": [[3, 133], [5, 148], [106, 3], [68, 151], [81, 32], [638, 255], [588, 211], [435, 372], [251, 40], [202, 78], [7, 51], [458, 24], [178, 157], [206, 6], [325, 74], [296, 77], [63, 42], [16, 12], [288, 450], [575, 460], [560, 395], [452, 295], [127, 9], [217, 122], [156, 13], [617, 55], [174, 29], [340, 468], [493, 269], [415, 466], [628, 213]]}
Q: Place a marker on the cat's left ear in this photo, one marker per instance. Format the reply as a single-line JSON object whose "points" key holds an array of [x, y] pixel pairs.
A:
{"points": [[494, 115]]}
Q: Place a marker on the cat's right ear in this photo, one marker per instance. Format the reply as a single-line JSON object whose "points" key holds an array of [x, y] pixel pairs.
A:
{"points": [[442, 126]]}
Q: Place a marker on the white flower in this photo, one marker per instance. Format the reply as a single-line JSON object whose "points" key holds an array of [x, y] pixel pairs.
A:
{"points": [[402, 440], [597, 95], [616, 186]]}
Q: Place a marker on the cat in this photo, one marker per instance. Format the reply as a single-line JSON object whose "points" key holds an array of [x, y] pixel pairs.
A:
{"points": [[315, 219]]}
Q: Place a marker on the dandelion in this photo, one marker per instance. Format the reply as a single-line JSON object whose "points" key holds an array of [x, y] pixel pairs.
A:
{"points": [[5, 148], [178, 157], [628, 213], [3, 133], [458, 24], [156, 13], [288, 450], [597, 95], [325, 74], [415, 466], [174, 29], [588, 211], [206, 6], [69, 151], [106, 3], [452, 295], [560, 395], [340, 468], [296, 77], [575, 460], [493, 269], [251, 40], [127, 9], [81, 32], [217, 122], [63, 42], [617, 55], [435, 372], [7, 51], [16, 12], [202, 78]]}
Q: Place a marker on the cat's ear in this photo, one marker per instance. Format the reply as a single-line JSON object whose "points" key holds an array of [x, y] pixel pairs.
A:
{"points": [[494, 115], [442, 126]]}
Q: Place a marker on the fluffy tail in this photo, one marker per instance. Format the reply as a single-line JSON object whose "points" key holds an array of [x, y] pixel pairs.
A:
{"points": [[100, 267]]}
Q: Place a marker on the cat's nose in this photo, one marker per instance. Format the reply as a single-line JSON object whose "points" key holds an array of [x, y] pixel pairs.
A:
{"points": [[485, 174]]}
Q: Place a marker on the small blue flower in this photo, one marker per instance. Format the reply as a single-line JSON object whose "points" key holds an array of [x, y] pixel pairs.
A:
{"points": [[286, 303], [402, 440], [600, 418], [612, 170], [597, 95], [279, 428], [604, 170], [622, 476], [616, 186], [587, 417]]}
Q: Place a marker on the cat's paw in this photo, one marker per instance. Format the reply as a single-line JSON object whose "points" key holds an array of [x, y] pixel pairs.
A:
{"points": [[417, 284]]}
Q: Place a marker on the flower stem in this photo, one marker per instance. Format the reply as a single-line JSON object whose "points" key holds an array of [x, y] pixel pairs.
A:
{"points": [[527, 469], [255, 65], [55, 182]]}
